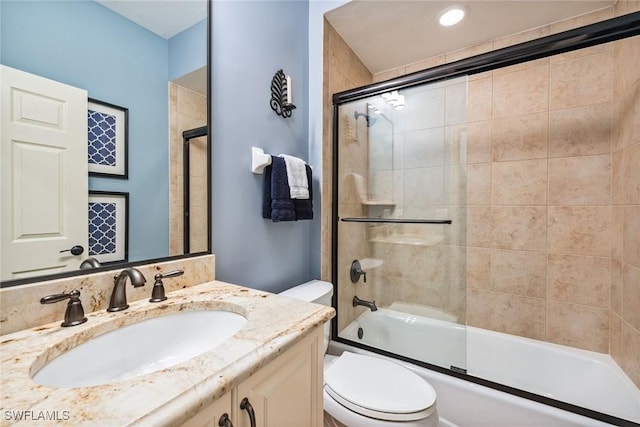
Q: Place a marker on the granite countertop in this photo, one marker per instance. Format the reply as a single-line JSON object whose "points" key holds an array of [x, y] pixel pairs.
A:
{"points": [[167, 397]]}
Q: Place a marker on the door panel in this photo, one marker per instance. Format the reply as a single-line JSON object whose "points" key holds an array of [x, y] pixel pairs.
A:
{"points": [[43, 209]]}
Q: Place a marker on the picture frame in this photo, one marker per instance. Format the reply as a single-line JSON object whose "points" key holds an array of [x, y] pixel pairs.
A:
{"points": [[107, 139], [108, 226]]}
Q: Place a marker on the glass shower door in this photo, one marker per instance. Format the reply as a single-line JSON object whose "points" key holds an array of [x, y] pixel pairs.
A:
{"points": [[402, 217]]}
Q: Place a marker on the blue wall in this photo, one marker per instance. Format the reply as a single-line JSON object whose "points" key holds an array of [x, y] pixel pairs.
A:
{"points": [[83, 44], [188, 50], [251, 41]]}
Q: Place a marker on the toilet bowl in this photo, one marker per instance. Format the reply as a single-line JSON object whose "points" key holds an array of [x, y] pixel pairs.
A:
{"points": [[366, 391]]}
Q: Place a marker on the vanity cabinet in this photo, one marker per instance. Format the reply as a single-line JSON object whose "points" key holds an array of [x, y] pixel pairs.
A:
{"points": [[212, 414], [285, 393]]}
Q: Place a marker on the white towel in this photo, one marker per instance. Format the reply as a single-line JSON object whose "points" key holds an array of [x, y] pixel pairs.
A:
{"points": [[297, 177]]}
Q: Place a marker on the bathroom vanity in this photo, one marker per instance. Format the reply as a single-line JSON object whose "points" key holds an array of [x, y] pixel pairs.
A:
{"points": [[271, 367], [286, 392]]}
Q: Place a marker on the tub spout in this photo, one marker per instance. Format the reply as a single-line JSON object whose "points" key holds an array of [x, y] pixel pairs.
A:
{"points": [[371, 305]]}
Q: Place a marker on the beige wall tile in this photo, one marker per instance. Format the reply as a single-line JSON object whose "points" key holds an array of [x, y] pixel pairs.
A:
{"points": [[581, 81], [615, 337], [586, 51], [479, 226], [579, 21], [630, 349], [578, 326], [387, 75], [510, 314], [479, 99], [631, 238], [479, 142], [617, 177], [478, 267], [425, 64], [631, 295], [580, 180], [522, 37], [521, 137], [631, 165], [626, 56], [626, 118], [580, 230], [479, 184], [469, 52], [580, 131], [519, 272], [579, 279], [455, 103], [425, 263], [617, 232], [521, 92], [417, 194], [627, 6], [519, 183], [543, 62], [519, 228], [616, 287]]}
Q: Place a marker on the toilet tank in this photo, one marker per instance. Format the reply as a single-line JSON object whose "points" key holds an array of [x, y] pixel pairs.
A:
{"points": [[316, 291]]}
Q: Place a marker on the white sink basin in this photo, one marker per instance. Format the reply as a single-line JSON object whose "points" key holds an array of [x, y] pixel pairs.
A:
{"points": [[140, 348]]}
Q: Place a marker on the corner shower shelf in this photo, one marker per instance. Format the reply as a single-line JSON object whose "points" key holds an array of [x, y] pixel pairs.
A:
{"points": [[398, 221], [378, 203]]}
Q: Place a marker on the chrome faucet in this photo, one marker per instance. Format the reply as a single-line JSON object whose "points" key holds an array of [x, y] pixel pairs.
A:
{"points": [[371, 305], [118, 300]]}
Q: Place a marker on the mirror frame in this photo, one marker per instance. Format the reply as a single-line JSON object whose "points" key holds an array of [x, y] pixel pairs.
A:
{"points": [[117, 266]]}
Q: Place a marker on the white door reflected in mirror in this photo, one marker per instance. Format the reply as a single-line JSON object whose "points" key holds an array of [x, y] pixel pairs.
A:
{"points": [[44, 198]]}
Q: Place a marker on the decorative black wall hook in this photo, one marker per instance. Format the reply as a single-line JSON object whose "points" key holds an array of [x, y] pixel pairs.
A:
{"points": [[281, 95]]}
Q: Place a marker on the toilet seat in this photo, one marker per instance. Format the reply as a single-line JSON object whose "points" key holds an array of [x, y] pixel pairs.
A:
{"points": [[379, 388]]}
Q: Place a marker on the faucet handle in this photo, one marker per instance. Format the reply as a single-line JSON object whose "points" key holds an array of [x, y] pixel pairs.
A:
{"points": [[157, 293], [173, 273], [75, 313], [356, 271]]}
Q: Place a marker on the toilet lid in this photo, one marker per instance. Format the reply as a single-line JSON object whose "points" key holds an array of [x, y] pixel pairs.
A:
{"points": [[379, 388]]}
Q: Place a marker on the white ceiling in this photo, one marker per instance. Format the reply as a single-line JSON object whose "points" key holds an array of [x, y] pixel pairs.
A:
{"points": [[386, 34], [166, 18]]}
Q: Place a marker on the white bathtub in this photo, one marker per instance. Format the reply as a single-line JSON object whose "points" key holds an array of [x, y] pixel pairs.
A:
{"points": [[583, 378]]}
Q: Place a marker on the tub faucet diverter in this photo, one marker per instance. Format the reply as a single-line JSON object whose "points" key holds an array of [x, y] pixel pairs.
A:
{"points": [[357, 271]]}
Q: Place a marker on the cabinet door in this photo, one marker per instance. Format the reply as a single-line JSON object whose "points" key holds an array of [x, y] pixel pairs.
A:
{"points": [[288, 391], [210, 416]]}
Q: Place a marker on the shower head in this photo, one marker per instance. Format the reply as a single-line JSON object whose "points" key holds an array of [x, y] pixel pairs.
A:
{"points": [[370, 120]]}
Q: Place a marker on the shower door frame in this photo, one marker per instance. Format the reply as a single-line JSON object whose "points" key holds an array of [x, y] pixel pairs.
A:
{"points": [[590, 35]]}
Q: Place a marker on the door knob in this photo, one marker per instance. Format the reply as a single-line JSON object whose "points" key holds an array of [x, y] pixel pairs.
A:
{"points": [[76, 250]]}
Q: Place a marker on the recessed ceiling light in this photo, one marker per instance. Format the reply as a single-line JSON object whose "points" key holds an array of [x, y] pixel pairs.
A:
{"points": [[451, 16]]}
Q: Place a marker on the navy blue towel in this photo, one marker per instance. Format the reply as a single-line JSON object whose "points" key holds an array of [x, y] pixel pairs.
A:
{"points": [[277, 204], [304, 207], [282, 206]]}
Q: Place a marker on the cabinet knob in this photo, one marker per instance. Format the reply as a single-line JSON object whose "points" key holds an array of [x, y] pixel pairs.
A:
{"points": [[225, 421], [246, 406]]}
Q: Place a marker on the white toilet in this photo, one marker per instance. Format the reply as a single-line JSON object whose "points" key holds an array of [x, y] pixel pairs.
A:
{"points": [[365, 391]]}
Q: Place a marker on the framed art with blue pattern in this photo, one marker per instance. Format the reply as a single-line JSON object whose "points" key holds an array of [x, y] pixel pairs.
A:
{"points": [[108, 226], [108, 134]]}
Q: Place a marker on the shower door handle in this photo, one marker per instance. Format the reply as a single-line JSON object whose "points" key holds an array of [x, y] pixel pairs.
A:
{"points": [[246, 406]]}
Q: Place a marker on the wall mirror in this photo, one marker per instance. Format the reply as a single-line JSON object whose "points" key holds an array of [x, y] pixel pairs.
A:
{"points": [[143, 65]]}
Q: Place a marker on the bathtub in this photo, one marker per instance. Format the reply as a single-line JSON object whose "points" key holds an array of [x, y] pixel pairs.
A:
{"points": [[579, 377]]}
